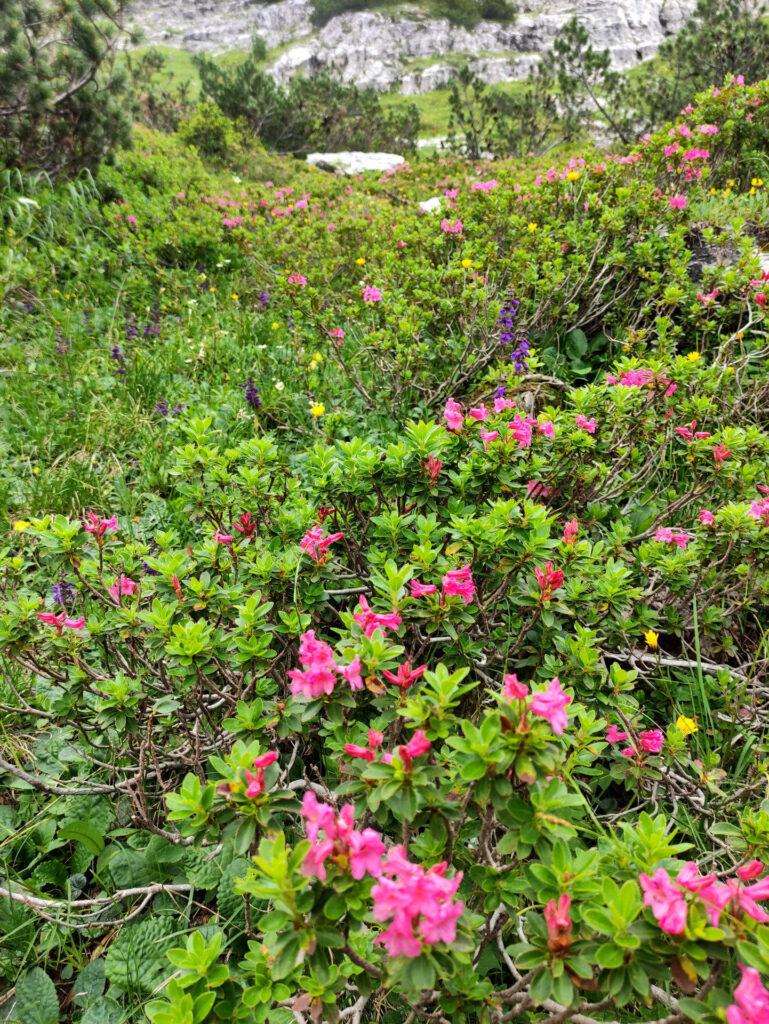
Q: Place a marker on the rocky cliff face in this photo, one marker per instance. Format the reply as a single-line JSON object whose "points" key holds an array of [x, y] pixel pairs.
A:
{"points": [[407, 50]]}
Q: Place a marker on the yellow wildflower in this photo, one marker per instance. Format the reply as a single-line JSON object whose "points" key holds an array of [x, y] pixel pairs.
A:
{"points": [[533, 226], [693, 356], [361, 261], [317, 409], [756, 182], [572, 176], [21, 525], [235, 297], [652, 639], [274, 325], [467, 264], [686, 725]]}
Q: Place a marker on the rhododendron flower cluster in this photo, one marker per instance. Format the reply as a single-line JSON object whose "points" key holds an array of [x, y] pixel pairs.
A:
{"points": [[670, 908], [98, 527], [256, 782], [751, 999], [122, 587], [319, 673], [420, 905], [558, 923], [369, 620], [459, 582], [341, 842], [549, 580], [316, 544], [667, 535], [61, 621], [550, 703]]}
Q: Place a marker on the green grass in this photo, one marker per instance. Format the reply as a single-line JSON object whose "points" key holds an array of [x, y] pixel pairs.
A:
{"points": [[179, 68]]}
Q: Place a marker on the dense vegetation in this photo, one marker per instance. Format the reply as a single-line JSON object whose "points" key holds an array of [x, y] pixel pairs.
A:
{"points": [[382, 599]]}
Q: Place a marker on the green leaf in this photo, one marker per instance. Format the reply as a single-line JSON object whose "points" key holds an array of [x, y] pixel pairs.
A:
{"points": [[36, 999], [84, 832], [609, 955]]}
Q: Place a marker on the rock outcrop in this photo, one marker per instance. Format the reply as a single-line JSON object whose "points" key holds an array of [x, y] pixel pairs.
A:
{"points": [[405, 49]]}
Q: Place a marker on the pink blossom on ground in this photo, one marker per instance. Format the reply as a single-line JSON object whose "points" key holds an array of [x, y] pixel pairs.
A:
{"points": [[677, 202], [459, 582], [479, 412], [706, 517], [487, 436], [223, 538], [97, 526], [551, 705], [372, 294], [452, 227], [265, 760], [667, 535], [299, 279], [363, 753], [255, 783]]}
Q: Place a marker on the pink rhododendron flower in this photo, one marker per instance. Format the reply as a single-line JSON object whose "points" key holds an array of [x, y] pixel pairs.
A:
{"points": [[484, 186], [255, 783], [750, 871], [759, 510], [337, 334], [375, 738], [615, 735], [419, 904], [666, 901], [372, 294], [551, 705], [98, 526], [588, 425], [558, 922], [546, 428], [369, 620], [691, 433], [536, 489], [721, 453], [317, 677], [459, 582], [751, 1005], [265, 760], [570, 531], [223, 538], [363, 753], [677, 202], [549, 580], [487, 436], [299, 279], [479, 412], [316, 544], [432, 468], [416, 746], [708, 129], [501, 403], [352, 674], [666, 535], [512, 689], [652, 741], [452, 414], [422, 589], [708, 297], [452, 227], [122, 587], [405, 676], [706, 517], [521, 430], [366, 852], [61, 621]]}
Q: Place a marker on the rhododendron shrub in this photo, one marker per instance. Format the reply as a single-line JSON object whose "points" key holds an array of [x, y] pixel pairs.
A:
{"points": [[398, 651]]}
